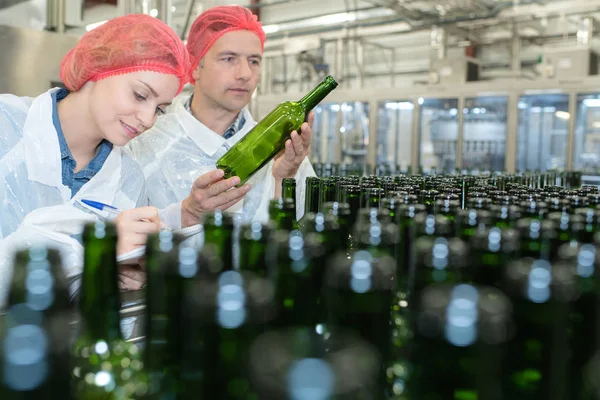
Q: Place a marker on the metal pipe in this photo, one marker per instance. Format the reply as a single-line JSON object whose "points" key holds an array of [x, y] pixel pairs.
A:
{"points": [[60, 16], [188, 19], [50, 15], [516, 49], [164, 11]]}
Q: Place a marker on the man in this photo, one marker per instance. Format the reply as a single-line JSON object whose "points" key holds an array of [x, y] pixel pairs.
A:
{"points": [[226, 44]]}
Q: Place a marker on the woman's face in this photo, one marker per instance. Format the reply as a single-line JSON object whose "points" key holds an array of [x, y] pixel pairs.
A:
{"points": [[124, 106]]}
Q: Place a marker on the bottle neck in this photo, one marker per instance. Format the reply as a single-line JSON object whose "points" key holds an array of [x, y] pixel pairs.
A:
{"points": [[100, 302], [289, 189], [316, 95]]}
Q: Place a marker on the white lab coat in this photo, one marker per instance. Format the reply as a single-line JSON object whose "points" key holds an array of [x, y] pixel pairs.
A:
{"points": [[35, 207], [179, 148]]}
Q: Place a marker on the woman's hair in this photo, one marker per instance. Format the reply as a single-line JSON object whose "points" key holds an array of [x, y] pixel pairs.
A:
{"points": [[134, 42]]}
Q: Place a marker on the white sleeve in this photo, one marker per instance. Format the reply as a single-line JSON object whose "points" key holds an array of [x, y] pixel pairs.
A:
{"points": [[171, 215]]}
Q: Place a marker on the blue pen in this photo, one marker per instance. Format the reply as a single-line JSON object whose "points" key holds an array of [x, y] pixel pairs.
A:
{"points": [[113, 211]]}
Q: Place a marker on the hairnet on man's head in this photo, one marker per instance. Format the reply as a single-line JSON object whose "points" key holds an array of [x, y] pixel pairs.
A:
{"points": [[214, 23], [131, 43]]}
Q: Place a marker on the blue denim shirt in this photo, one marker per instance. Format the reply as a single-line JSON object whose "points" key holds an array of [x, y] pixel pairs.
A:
{"points": [[70, 178]]}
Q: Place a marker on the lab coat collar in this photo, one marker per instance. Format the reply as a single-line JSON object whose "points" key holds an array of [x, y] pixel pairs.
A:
{"points": [[41, 147], [206, 139]]}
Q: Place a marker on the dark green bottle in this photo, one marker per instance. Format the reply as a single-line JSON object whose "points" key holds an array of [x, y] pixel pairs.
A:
{"points": [[536, 238], [35, 332], [297, 363], [327, 228], [358, 298], [327, 192], [298, 275], [537, 359], [311, 198], [350, 195], [222, 317], [343, 215], [282, 214], [288, 189], [439, 260], [105, 366], [268, 137], [164, 301], [492, 250], [375, 233], [218, 232], [468, 222], [254, 238], [458, 346], [584, 316]]}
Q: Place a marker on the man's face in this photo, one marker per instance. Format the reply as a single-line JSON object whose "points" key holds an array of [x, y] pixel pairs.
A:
{"points": [[230, 71]]}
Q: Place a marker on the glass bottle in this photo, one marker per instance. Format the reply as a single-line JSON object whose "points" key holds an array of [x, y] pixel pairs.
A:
{"points": [[268, 137]]}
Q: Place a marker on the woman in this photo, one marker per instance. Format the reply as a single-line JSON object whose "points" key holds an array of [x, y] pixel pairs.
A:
{"points": [[65, 145]]}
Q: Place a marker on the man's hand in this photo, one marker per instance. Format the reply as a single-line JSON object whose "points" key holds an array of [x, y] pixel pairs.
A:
{"points": [[296, 149], [131, 277], [210, 192]]}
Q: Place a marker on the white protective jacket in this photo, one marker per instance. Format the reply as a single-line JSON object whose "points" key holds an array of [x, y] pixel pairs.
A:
{"points": [[35, 207], [179, 148]]}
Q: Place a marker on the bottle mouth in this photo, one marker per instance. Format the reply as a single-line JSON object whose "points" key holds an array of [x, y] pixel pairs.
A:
{"points": [[331, 81]]}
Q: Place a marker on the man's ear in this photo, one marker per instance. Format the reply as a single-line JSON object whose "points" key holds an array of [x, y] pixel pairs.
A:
{"points": [[196, 73]]}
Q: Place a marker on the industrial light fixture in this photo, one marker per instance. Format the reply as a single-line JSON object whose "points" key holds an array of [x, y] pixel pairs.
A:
{"points": [[563, 115], [327, 20], [94, 25], [401, 105], [593, 103]]}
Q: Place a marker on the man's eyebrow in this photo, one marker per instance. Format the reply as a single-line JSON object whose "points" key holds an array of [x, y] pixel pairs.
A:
{"points": [[234, 54], [149, 87], [228, 53]]}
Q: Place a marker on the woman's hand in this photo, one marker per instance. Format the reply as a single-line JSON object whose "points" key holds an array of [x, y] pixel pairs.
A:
{"points": [[134, 226]]}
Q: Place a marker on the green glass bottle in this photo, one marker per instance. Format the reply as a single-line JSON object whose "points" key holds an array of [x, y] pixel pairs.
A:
{"points": [[350, 195], [288, 189], [35, 332], [164, 297], [282, 214], [375, 233], [536, 238], [298, 276], [296, 363], [358, 298], [537, 358], [439, 260], [105, 366], [327, 228], [458, 346], [222, 317], [343, 215], [268, 137], [584, 317], [470, 221], [311, 198], [492, 249], [218, 232], [327, 192], [254, 238]]}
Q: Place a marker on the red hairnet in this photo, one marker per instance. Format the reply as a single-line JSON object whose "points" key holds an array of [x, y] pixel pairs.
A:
{"points": [[131, 43], [214, 23]]}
